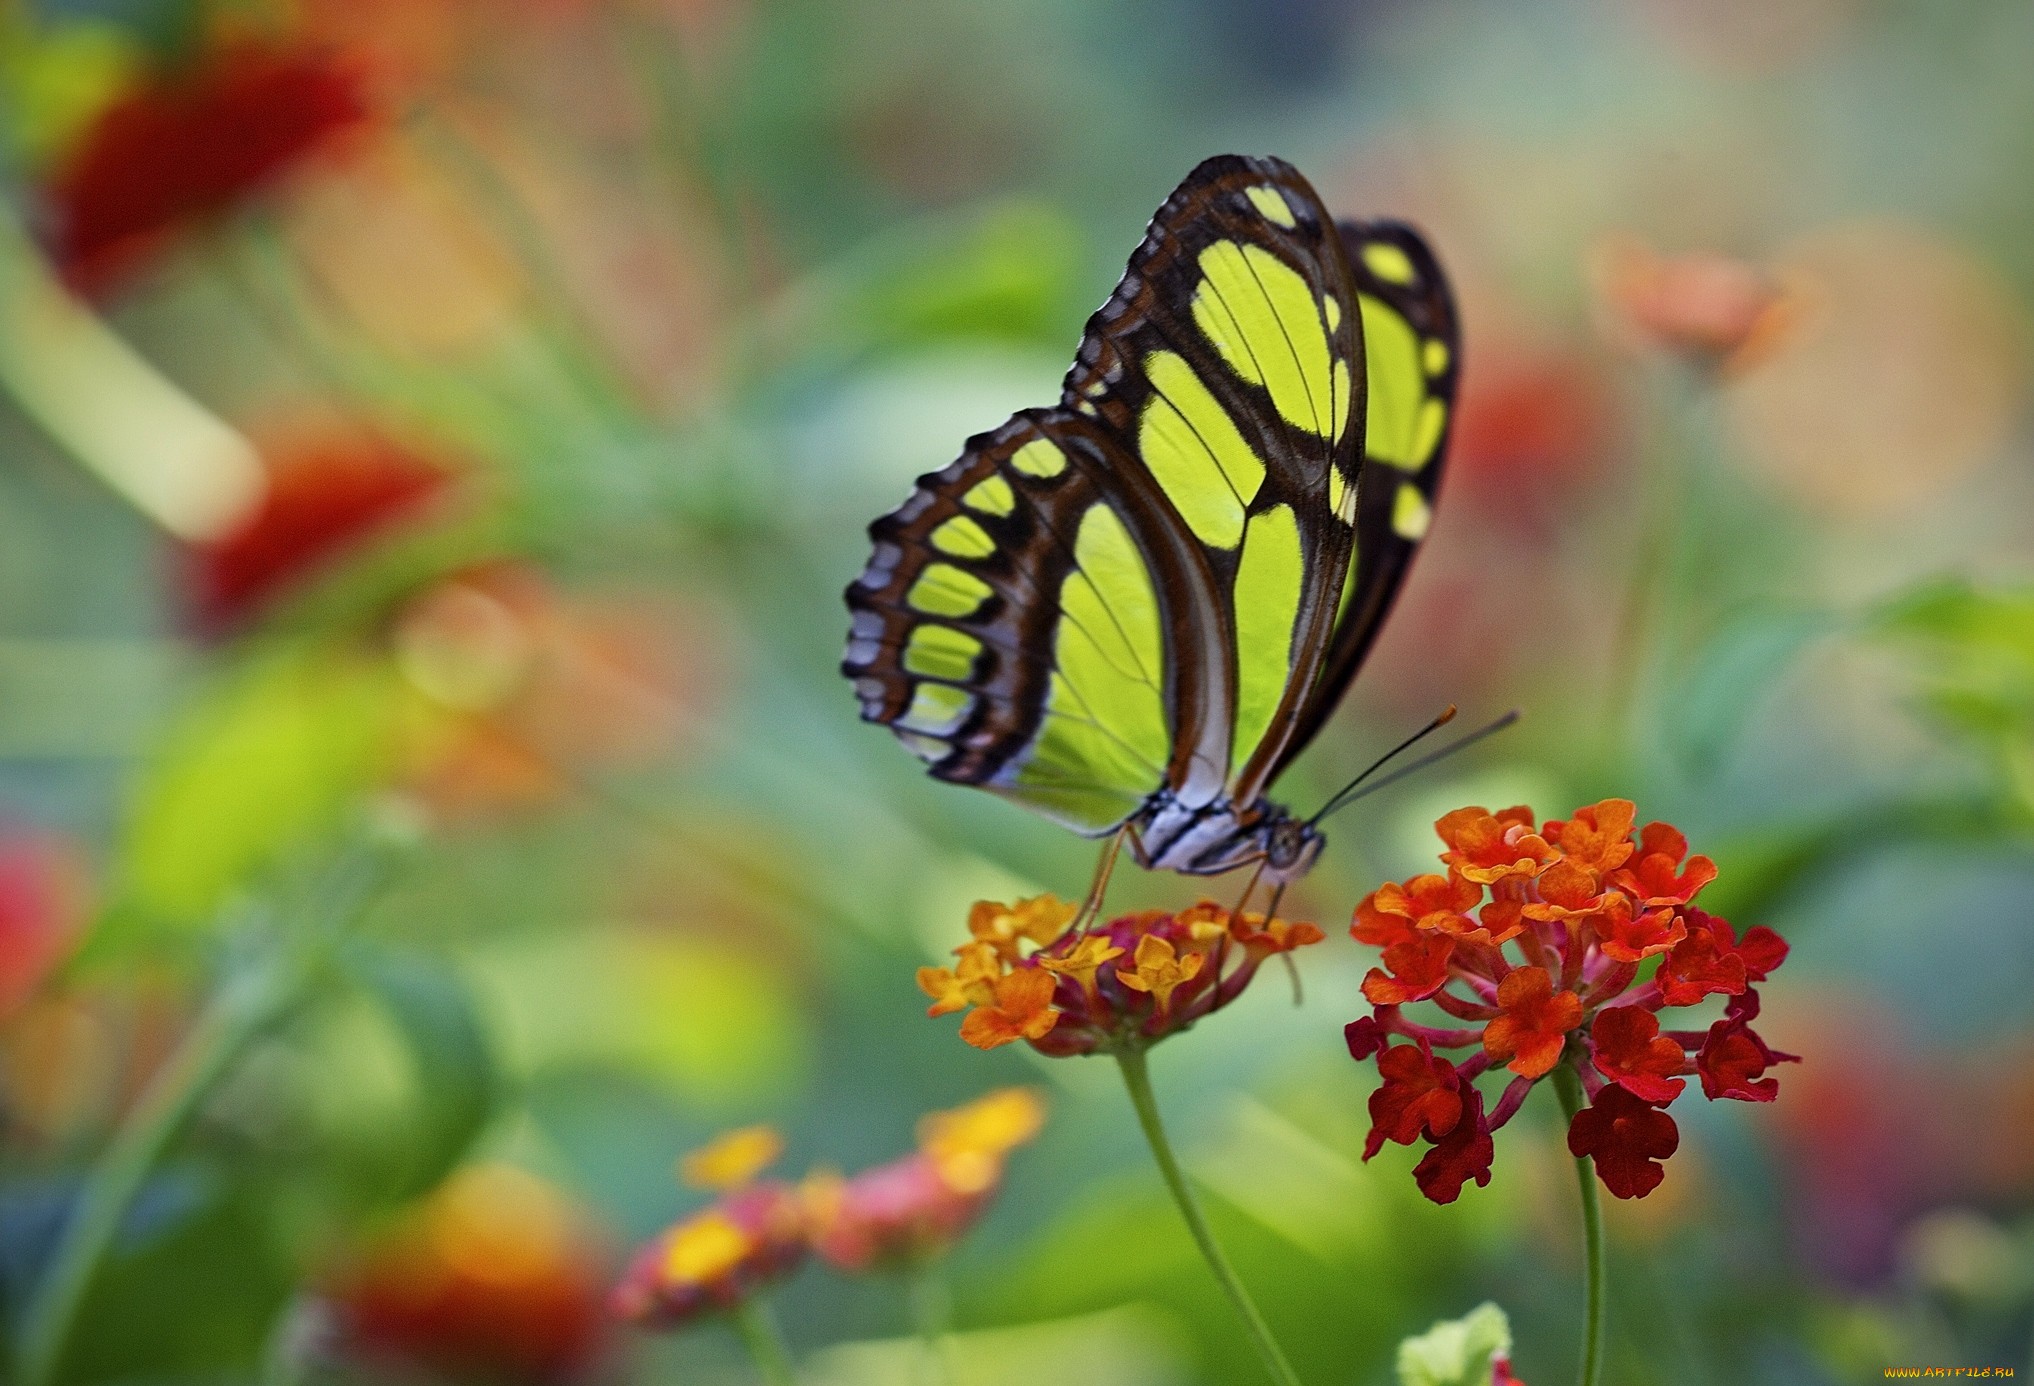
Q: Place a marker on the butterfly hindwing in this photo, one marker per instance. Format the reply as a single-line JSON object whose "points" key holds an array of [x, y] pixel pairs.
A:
{"points": [[1412, 345], [1010, 625]]}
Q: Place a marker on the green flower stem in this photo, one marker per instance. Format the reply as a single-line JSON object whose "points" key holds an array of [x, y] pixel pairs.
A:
{"points": [[1569, 1088], [1137, 1078], [932, 1317], [1641, 643], [765, 1342], [248, 1001]]}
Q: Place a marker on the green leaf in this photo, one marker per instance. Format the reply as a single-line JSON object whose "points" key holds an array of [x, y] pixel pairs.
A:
{"points": [[191, 1302], [455, 1079], [1958, 611], [1456, 1352], [1737, 669], [1002, 274], [262, 763], [1974, 647]]}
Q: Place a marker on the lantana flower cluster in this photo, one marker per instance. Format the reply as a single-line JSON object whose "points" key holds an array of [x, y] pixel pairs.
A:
{"points": [[759, 1230], [714, 1260], [1588, 911], [178, 148], [1028, 975], [915, 1208]]}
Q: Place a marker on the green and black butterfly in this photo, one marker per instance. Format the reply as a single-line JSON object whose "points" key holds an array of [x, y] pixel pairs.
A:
{"points": [[1133, 609]]}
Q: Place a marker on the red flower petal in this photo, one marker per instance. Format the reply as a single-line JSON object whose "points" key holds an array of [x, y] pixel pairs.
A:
{"points": [[1597, 837], [1626, 1139], [1567, 890], [1418, 969], [1380, 928], [1628, 937], [1421, 1095], [1464, 1153], [1535, 1023], [1733, 1058], [1631, 1052], [1656, 877], [1486, 847], [1365, 1037], [1762, 950], [322, 502], [1423, 897], [1702, 964]]}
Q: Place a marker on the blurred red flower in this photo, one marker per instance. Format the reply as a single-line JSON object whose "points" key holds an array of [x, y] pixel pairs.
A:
{"points": [[42, 905], [183, 146], [1531, 427], [531, 686], [497, 1275], [1713, 310], [1584, 905], [915, 1208], [717, 1258], [326, 498]]}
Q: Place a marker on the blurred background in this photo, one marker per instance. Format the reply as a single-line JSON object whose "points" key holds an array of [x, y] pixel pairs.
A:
{"points": [[455, 420]]}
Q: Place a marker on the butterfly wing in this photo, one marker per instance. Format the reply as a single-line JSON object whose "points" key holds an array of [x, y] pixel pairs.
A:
{"points": [[1223, 360], [1133, 590], [1412, 347], [1010, 625]]}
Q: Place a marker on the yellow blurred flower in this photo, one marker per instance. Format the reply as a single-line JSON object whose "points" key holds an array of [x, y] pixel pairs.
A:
{"points": [[915, 1208], [733, 1159]]}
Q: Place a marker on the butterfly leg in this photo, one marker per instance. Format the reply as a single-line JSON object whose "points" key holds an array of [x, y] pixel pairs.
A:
{"points": [[1250, 886], [1291, 969], [1098, 888]]}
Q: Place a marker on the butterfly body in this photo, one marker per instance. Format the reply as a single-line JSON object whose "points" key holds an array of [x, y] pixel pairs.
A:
{"points": [[1221, 836], [1135, 607]]}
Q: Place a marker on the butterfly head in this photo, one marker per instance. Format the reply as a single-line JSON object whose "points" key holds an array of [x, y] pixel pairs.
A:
{"points": [[1290, 848]]}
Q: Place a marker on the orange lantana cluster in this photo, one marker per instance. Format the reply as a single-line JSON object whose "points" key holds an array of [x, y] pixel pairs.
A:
{"points": [[1586, 908], [1028, 975]]}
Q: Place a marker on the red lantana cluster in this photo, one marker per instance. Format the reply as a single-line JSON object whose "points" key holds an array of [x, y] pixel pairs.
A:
{"points": [[1125, 984], [184, 146], [327, 498], [496, 1276], [1587, 910]]}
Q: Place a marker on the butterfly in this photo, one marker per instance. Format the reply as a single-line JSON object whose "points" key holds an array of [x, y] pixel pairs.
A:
{"points": [[1131, 610]]}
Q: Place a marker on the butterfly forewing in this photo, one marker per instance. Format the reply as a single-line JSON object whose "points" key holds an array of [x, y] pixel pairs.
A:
{"points": [[1412, 344], [1224, 361]]}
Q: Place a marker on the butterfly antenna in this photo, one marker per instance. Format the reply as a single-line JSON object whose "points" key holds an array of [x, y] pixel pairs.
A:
{"points": [[1346, 797], [1337, 799]]}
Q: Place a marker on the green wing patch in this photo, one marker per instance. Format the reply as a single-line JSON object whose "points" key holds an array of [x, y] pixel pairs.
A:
{"points": [[1224, 362], [1412, 347]]}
